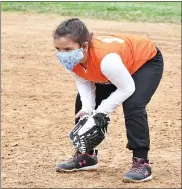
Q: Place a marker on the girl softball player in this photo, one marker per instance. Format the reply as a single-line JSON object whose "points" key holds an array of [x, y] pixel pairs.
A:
{"points": [[110, 71]]}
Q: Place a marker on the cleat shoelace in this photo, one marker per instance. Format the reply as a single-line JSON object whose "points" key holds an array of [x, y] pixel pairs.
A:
{"points": [[76, 154], [137, 167]]}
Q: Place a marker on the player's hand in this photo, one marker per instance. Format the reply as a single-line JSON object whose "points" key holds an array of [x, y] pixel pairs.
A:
{"points": [[80, 114]]}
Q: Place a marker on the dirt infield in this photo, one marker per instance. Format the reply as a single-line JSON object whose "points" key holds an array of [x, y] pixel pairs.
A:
{"points": [[38, 109]]}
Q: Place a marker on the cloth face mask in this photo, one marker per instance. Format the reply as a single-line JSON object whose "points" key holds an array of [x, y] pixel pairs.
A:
{"points": [[70, 59]]}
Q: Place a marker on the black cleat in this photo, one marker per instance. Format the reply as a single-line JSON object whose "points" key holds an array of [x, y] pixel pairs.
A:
{"points": [[79, 162], [140, 171]]}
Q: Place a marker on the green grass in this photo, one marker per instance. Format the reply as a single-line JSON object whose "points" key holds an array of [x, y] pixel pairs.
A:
{"points": [[120, 11]]}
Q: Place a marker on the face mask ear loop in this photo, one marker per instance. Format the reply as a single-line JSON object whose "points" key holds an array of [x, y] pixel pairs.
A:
{"points": [[82, 49]]}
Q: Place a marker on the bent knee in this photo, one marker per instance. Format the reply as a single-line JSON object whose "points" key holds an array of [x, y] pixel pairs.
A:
{"points": [[133, 108]]}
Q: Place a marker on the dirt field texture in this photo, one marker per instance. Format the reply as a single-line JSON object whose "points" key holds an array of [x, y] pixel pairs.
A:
{"points": [[37, 98]]}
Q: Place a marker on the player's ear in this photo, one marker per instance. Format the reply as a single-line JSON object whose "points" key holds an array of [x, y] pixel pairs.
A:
{"points": [[85, 46]]}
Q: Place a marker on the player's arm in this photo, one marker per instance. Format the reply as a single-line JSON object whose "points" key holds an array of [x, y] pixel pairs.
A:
{"points": [[86, 90], [116, 72]]}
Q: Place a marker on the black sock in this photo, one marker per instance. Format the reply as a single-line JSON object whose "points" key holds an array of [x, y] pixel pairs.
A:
{"points": [[141, 153], [91, 152]]}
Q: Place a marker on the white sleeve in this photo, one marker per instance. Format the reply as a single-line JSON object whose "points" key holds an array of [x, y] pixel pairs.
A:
{"points": [[116, 72], [86, 90]]}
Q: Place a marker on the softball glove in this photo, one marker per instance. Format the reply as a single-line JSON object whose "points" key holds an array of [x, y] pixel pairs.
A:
{"points": [[89, 132]]}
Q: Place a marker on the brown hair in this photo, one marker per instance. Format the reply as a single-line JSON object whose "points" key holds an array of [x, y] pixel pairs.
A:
{"points": [[74, 29]]}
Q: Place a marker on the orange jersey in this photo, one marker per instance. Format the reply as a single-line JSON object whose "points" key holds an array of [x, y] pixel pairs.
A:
{"points": [[133, 50]]}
